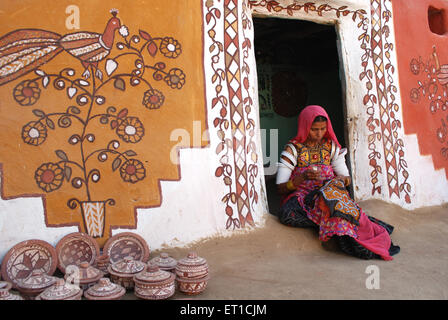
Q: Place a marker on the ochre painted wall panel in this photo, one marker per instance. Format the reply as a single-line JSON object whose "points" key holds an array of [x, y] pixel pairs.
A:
{"points": [[41, 152]]}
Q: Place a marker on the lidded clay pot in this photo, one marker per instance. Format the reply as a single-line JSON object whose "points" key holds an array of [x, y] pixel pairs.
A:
{"points": [[123, 271], [154, 283], [84, 273], [192, 274], [102, 262], [105, 290], [61, 291], [5, 294], [165, 262], [36, 283]]}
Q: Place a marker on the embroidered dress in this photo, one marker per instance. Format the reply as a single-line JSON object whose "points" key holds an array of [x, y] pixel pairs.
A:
{"points": [[320, 157]]}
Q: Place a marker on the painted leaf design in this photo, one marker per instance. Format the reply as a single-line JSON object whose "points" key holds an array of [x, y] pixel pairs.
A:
{"points": [[123, 113], [22, 274], [27, 262], [61, 154], [39, 113], [40, 263], [50, 123], [116, 164], [130, 153], [67, 173], [145, 35], [152, 48], [120, 84]]}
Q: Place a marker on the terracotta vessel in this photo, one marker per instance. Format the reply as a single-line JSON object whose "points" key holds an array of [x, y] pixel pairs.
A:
{"points": [[165, 262], [123, 271], [84, 274], [36, 283], [61, 291], [192, 274], [105, 290], [154, 284], [102, 262], [5, 294]]}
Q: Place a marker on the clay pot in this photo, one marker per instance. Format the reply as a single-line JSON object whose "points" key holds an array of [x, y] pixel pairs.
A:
{"points": [[192, 274], [102, 262], [5, 294], [154, 284], [61, 291], [123, 271], [105, 290], [165, 262], [36, 283], [84, 274]]}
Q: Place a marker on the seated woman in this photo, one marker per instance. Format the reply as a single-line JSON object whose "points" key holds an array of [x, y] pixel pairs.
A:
{"points": [[312, 176]]}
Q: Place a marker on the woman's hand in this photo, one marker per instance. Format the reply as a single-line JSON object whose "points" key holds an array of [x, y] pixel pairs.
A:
{"points": [[346, 179]]}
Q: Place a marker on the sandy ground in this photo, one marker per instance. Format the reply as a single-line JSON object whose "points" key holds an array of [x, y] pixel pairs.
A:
{"points": [[277, 262]]}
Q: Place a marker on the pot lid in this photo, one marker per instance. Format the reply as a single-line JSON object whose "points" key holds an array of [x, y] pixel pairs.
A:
{"points": [[60, 291], [153, 275], [5, 294], [37, 280], [164, 261], [105, 289], [192, 259], [128, 266], [85, 273]]}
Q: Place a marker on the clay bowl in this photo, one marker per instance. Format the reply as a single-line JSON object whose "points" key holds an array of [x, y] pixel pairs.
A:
{"points": [[165, 262], [5, 294], [154, 284], [61, 290], [105, 290], [192, 286], [36, 283], [123, 271], [85, 275]]}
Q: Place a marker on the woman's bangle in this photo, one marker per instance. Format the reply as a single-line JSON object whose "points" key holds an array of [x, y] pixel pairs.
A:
{"points": [[290, 185]]}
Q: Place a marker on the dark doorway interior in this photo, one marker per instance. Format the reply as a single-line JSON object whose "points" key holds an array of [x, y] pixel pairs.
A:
{"points": [[297, 65]]}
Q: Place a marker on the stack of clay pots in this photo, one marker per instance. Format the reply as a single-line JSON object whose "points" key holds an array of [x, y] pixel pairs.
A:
{"points": [[165, 262], [192, 274], [86, 274]]}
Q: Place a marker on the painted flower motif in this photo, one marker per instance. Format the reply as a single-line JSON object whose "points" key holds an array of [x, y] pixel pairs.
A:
{"points": [[131, 130], [132, 171], [49, 177], [34, 133], [170, 47], [175, 78], [415, 66], [124, 32], [415, 95], [26, 93], [153, 99]]}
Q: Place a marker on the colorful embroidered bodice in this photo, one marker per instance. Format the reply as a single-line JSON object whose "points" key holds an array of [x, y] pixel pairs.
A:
{"points": [[315, 155]]}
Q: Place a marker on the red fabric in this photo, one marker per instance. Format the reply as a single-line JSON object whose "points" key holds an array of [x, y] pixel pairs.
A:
{"points": [[306, 118], [373, 237]]}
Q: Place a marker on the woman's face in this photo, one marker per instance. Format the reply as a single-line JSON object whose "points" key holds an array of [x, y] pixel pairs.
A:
{"points": [[317, 131]]}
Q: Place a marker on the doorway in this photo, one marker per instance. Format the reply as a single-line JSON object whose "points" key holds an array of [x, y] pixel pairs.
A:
{"points": [[297, 65]]}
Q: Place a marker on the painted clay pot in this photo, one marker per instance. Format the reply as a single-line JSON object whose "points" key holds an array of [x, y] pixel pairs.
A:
{"points": [[105, 290], [36, 283], [84, 274], [102, 262], [122, 272], [192, 274], [5, 294], [165, 262], [154, 284], [61, 291]]}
